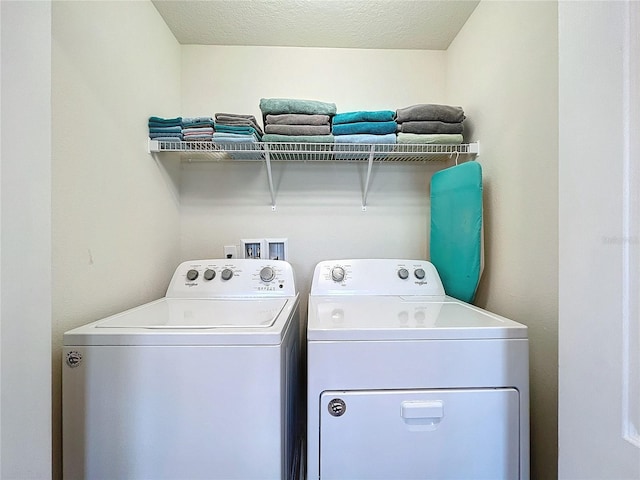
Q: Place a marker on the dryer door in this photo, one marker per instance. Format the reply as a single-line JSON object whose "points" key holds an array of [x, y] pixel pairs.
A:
{"points": [[419, 434]]}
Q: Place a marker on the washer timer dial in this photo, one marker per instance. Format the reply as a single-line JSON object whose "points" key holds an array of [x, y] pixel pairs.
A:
{"points": [[226, 274], [267, 274], [337, 274]]}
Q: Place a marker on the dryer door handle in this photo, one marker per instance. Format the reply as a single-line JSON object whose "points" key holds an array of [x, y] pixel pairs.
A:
{"points": [[422, 415]]}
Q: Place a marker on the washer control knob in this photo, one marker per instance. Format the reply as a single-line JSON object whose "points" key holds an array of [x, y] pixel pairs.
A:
{"points": [[267, 274], [192, 275], [226, 274], [419, 273], [337, 274], [403, 273], [209, 274]]}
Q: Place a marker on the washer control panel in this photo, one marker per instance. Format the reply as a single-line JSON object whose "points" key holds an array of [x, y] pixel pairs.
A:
{"points": [[231, 278], [376, 277]]}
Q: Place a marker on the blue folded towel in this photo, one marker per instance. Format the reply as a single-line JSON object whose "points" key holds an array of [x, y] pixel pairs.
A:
{"points": [[375, 128], [389, 138], [234, 138], [364, 116], [177, 135]]}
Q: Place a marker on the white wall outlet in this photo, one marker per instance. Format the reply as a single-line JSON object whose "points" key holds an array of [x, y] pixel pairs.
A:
{"points": [[230, 251]]}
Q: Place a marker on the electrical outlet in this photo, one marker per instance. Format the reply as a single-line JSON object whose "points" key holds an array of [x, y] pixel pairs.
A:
{"points": [[230, 251]]}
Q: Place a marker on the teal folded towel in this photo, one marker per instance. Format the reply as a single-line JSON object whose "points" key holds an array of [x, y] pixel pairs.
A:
{"points": [[177, 135], [241, 129], [292, 105], [273, 138], [164, 122], [456, 228], [374, 128], [436, 138], [174, 129], [389, 138], [364, 116]]}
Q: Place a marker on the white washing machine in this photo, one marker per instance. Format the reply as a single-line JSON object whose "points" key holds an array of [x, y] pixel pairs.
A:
{"points": [[407, 383], [202, 383]]}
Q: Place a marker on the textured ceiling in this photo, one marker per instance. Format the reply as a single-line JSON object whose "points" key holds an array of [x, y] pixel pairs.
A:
{"points": [[379, 24]]}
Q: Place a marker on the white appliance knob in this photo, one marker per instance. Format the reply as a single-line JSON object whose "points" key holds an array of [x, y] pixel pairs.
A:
{"points": [[226, 274], [419, 273], [209, 274], [403, 273], [192, 275], [337, 274], [267, 274]]}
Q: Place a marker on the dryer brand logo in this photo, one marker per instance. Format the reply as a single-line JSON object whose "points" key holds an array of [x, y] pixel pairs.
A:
{"points": [[74, 358], [337, 407]]}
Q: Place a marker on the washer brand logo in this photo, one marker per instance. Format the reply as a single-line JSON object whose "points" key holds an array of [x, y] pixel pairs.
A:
{"points": [[74, 358], [422, 282], [337, 407]]}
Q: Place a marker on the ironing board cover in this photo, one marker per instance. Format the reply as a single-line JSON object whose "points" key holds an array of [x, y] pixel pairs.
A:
{"points": [[456, 228]]}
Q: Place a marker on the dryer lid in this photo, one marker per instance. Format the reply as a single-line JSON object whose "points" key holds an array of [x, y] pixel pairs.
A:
{"points": [[404, 318]]}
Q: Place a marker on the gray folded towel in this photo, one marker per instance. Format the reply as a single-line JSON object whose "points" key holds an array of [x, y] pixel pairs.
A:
{"points": [[238, 119], [297, 119], [298, 129], [293, 105], [430, 127], [430, 111]]}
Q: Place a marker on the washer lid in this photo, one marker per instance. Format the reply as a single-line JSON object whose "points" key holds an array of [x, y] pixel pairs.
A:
{"points": [[404, 318], [193, 321], [177, 313]]}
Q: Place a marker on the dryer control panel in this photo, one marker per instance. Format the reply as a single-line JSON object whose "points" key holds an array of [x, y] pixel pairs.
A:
{"points": [[376, 277], [217, 278]]}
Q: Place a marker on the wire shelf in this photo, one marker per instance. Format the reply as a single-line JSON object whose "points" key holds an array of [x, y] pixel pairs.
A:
{"points": [[316, 152], [296, 152]]}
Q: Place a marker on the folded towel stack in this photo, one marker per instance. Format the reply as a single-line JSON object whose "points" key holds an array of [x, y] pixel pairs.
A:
{"points": [[294, 120], [197, 129], [236, 128], [365, 127], [165, 129], [430, 123]]}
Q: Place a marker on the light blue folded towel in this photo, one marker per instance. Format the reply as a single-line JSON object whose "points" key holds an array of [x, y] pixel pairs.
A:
{"points": [[374, 128], [364, 116], [274, 138], [389, 138], [164, 122], [234, 138], [292, 105]]}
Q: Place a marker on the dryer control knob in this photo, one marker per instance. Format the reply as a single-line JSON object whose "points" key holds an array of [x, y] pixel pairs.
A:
{"points": [[267, 274], [192, 275], [209, 274], [337, 274], [403, 273], [226, 274], [419, 273]]}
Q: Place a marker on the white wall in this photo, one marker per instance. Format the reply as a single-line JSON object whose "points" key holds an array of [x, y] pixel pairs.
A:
{"points": [[115, 213], [502, 67], [25, 226], [318, 205]]}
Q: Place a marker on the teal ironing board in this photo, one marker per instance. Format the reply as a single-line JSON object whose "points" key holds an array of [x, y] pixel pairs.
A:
{"points": [[456, 228]]}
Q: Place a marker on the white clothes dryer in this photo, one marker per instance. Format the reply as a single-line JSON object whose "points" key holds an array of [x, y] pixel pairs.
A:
{"points": [[201, 384], [407, 383]]}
